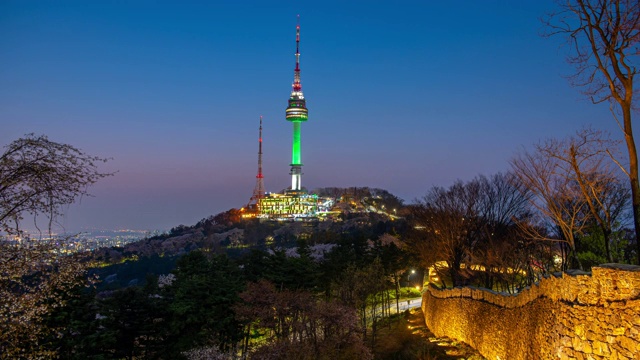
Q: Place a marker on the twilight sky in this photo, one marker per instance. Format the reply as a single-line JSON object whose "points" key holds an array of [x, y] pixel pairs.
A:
{"points": [[400, 97]]}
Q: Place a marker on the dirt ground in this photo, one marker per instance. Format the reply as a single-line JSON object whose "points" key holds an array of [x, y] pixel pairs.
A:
{"points": [[406, 337]]}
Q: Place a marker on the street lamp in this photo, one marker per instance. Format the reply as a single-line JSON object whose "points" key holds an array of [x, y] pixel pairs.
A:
{"points": [[409, 276]]}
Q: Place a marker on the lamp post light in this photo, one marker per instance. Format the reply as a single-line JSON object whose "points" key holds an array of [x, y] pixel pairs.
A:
{"points": [[409, 276]]}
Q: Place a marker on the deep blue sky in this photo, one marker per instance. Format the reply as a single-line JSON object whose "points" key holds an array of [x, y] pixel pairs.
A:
{"points": [[401, 96]]}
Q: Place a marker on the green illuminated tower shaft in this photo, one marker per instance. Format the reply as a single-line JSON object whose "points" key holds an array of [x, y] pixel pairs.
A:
{"points": [[296, 113], [295, 146]]}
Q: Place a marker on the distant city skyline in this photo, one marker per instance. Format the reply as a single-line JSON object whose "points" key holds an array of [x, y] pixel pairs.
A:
{"points": [[402, 97]]}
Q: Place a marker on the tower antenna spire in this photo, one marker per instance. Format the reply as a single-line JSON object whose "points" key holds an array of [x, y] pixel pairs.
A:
{"points": [[258, 191], [297, 86]]}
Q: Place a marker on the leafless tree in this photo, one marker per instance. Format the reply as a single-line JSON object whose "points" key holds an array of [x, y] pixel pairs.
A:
{"points": [[604, 36], [502, 250], [553, 196], [575, 183], [470, 233], [586, 159], [37, 177], [445, 220]]}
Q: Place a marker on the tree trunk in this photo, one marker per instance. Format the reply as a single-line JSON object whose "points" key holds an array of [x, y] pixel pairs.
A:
{"points": [[364, 320], [606, 234], [389, 308], [245, 345], [633, 170], [565, 256], [454, 276], [574, 254], [395, 277]]}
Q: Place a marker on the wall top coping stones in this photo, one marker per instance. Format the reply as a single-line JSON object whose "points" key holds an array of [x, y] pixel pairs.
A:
{"points": [[624, 267], [575, 272], [606, 283]]}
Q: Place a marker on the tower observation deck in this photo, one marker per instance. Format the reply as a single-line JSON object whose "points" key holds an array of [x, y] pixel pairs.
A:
{"points": [[296, 113]]}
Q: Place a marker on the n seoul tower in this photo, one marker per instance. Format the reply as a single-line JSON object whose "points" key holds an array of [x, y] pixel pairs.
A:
{"points": [[296, 113]]}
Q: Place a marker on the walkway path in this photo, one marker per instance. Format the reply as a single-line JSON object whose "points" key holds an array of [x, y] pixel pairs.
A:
{"points": [[409, 338], [404, 304], [453, 349], [409, 304]]}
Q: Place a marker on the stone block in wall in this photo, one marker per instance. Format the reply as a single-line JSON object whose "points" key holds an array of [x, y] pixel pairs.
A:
{"points": [[600, 348], [506, 302], [521, 300], [574, 286], [567, 354], [618, 331], [465, 292], [617, 281], [509, 301], [617, 356], [635, 320], [530, 294], [580, 333], [456, 292], [476, 293], [622, 353], [630, 345], [546, 286]]}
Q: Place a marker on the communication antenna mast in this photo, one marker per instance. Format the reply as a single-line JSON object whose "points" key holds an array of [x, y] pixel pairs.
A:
{"points": [[258, 191]]}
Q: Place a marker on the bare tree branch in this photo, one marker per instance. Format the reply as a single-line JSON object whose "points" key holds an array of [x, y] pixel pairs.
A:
{"points": [[605, 39]]}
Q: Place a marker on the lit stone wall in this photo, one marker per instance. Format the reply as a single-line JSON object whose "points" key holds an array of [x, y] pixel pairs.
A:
{"points": [[574, 316]]}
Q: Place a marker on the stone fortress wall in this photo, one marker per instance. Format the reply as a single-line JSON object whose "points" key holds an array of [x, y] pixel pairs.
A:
{"points": [[579, 316]]}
